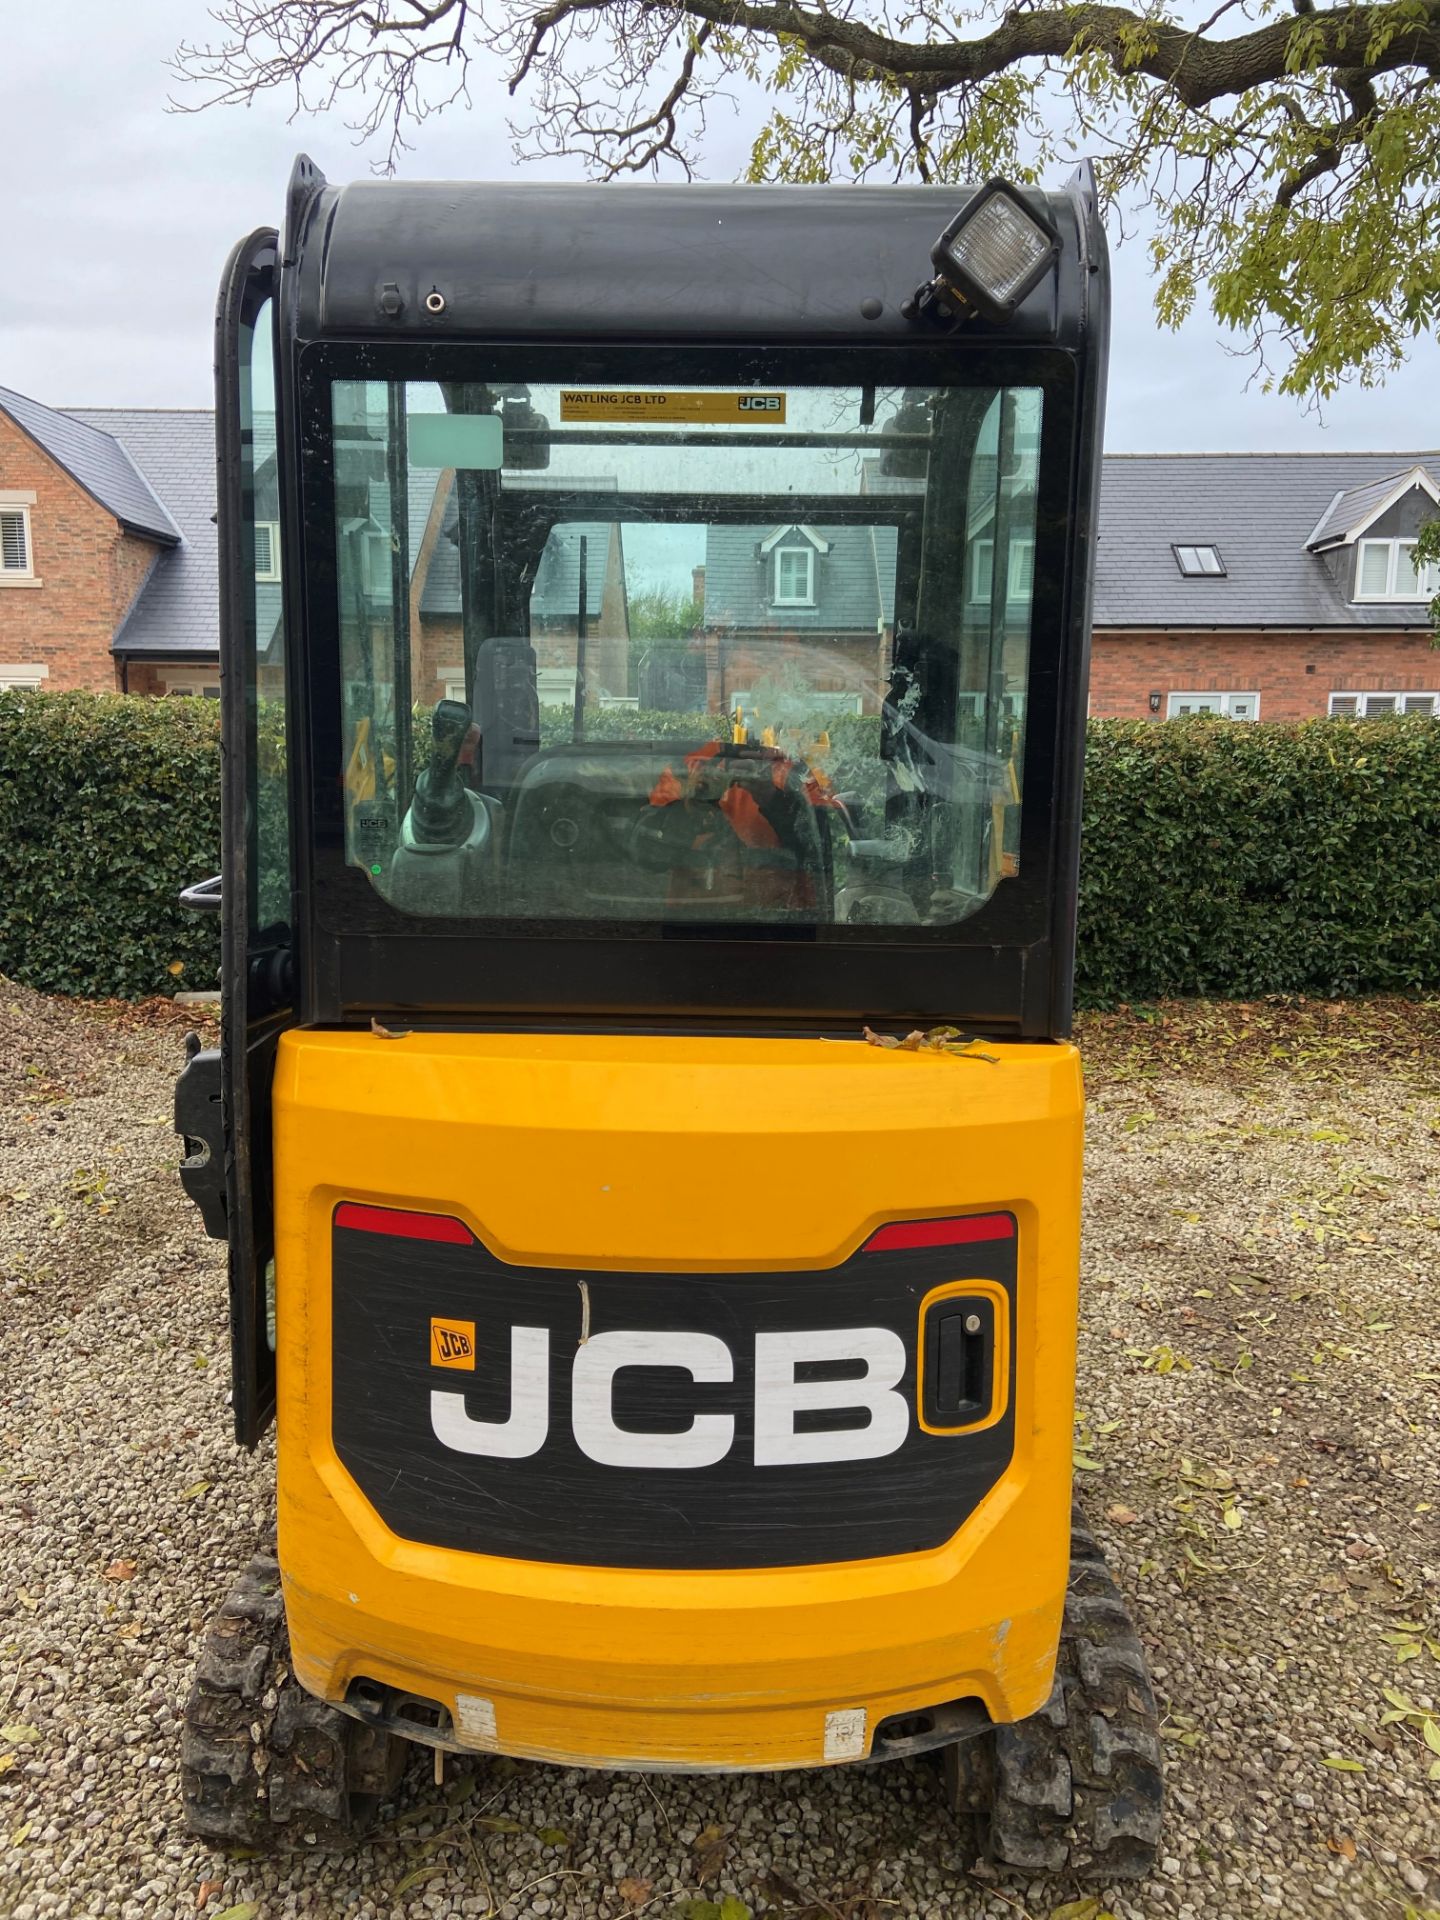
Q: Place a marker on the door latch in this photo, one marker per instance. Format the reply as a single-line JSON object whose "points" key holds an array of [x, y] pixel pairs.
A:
{"points": [[958, 1340], [199, 1121]]}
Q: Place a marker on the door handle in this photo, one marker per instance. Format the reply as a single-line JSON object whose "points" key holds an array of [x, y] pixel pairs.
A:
{"points": [[204, 896], [958, 1385]]}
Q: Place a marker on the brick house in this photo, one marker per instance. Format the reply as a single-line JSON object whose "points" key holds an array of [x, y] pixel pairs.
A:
{"points": [[107, 549], [816, 602], [1275, 586]]}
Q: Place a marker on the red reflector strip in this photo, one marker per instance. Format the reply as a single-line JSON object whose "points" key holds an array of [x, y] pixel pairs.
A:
{"points": [[402, 1226], [941, 1233]]}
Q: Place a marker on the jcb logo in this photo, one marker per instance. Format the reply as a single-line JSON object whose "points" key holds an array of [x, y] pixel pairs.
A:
{"points": [[452, 1343], [762, 403], [787, 1398]]}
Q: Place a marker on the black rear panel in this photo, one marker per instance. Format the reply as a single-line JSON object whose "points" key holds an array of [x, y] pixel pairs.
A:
{"points": [[400, 1379]]}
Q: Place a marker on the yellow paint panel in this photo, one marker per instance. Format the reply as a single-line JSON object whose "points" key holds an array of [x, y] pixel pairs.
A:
{"points": [[677, 1155]]}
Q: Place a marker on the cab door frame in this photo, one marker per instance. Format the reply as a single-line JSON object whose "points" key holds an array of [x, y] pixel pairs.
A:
{"points": [[257, 969]]}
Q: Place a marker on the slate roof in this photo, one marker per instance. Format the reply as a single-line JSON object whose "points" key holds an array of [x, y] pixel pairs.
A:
{"points": [[1260, 510], [1266, 513], [557, 584], [556, 593], [854, 581], [176, 611], [85, 446]]}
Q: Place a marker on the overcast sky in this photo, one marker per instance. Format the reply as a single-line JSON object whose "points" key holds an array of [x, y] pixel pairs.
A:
{"points": [[119, 222]]}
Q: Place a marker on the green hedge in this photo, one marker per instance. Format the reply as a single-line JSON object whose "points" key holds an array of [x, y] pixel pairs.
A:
{"points": [[108, 807], [1219, 859], [1230, 859]]}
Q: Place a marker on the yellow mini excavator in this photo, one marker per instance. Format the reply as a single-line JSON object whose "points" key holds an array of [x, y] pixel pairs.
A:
{"points": [[654, 639]]}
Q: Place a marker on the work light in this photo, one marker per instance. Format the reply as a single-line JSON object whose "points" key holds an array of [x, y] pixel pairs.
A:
{"points": [[995, 252]]}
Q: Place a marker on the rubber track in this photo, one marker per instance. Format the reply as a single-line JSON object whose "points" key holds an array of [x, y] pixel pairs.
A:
{"points": [[1077, 1787], [262, 1763]]}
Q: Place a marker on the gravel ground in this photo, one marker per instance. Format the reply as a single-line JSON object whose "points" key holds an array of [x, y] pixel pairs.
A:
{"points": [[1261, 1394]]}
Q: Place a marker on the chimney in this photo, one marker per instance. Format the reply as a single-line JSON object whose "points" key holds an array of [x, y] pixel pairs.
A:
{"points": [[697, 584]]}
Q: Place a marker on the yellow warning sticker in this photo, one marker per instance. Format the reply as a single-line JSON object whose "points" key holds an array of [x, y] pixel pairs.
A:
{"points": [[452, 1344], [630, 405]]}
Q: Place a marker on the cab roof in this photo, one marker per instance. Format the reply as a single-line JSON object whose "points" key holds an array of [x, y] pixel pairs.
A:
{"points": [[698, 264]]}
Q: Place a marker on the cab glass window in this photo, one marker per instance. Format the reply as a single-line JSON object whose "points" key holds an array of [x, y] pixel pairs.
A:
{"points": [[752, 656]]}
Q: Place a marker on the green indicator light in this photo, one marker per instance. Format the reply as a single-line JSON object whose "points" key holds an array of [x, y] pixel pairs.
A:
{"points": [[377, 869]]}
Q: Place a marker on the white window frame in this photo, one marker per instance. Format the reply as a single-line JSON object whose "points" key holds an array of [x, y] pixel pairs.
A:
{"points": [[1427, 580], [20, 502], [193, 683], [273, 528], [1199, 571], [1020, 550], [23, 679], [802, 599], [1210, 702], [1356, 705]]}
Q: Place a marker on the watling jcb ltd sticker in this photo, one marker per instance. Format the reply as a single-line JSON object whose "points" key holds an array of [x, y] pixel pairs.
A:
{"points": [[452, 1344]]}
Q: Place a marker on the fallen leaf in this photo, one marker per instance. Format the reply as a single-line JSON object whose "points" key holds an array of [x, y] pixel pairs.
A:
{"points": [[415, 1878], [553, 1837], [783, 1890], [1121, 1516], [7, 1760], [246, 1910], [176, 968], [1344, 1846], [20, 1734], [1360, 1550], [1086, 1465], [1076, 1910], [499, 1823], [120, 1570], [709, 1849], [634, 1892], [1342, 1765], [194, 1492], [206, 1892]]}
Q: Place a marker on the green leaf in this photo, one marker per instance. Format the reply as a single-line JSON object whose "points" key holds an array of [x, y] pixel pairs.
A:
{"points": [[247, 1910], [553, 1837], [1342, 1765]]}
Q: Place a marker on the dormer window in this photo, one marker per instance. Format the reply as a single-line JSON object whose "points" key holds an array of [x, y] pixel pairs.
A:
{"points": [[1199, 563], [1386, 570], [789, 555], [794, 576]]}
